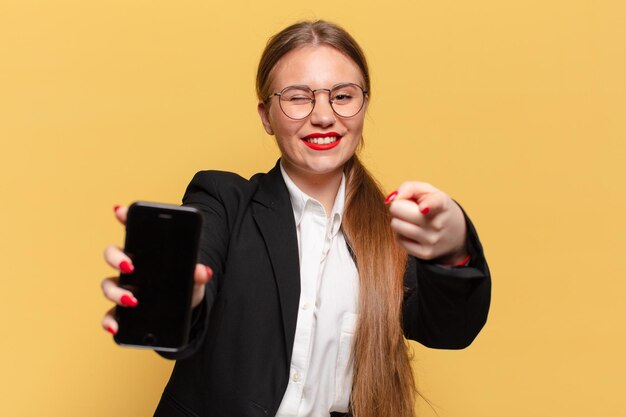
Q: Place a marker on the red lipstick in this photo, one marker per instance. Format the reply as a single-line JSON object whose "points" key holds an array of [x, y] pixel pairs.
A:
{"points": [[322, 146]]}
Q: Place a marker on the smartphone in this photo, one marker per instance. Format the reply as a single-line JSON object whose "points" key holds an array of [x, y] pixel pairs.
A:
{"points": [[162, 241]]}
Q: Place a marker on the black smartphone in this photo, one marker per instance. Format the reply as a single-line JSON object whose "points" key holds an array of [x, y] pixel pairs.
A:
{"points": [[162, 241]]}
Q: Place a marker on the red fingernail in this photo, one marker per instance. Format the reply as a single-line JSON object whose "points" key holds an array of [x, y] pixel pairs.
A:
{"points": [[111, 330], [425, 211], [116, 208], [209, 271], [126, 267], [128, 301], [391, 197]]}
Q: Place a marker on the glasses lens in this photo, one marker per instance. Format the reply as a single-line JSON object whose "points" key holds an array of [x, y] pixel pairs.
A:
{"points": [[347, 99], [297, 102]]}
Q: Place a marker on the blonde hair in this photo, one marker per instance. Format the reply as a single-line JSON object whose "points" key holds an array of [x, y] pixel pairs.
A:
{"points": [[383, 384]]}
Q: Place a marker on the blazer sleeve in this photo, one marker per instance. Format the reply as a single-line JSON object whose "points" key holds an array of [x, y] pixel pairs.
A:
{"points": [[204, 194], [446, 307]]}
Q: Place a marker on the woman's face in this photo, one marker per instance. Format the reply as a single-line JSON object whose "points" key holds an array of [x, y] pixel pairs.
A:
{"points": [[318, 66]]}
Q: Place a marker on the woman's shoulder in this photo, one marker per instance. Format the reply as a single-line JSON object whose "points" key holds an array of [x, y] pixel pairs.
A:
{"points": [[223, 185], [217, 183], [211, 178], [234, 191]]}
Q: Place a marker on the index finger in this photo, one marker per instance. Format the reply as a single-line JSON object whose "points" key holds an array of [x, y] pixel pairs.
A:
{"points": [[426, 196]]}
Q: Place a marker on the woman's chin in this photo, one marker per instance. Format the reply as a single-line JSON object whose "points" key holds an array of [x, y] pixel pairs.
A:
{"points": [[315, 169]]}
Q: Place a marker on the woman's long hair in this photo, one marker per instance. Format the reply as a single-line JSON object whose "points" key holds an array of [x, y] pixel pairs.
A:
{"points": [[383, 383]]}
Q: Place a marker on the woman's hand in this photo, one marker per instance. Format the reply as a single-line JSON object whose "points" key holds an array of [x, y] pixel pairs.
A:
{"points": [[115, 257], [428, 224]]}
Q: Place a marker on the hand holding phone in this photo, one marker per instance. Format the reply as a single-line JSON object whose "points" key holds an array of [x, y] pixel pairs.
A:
{"points": [[162, 242]]}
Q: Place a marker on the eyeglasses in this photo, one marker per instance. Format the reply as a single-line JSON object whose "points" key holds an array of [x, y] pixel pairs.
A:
{"points": [[298, 101]]}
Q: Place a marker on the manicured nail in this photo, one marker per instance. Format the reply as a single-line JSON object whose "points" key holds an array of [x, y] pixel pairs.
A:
{"points": [[111, 330], [116, 208], [209, 272], [391, 197], [128, 301], [425, 211], [126, 267]]}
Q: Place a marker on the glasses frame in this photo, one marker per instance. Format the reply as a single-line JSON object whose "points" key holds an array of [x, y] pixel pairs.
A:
{"points": [[330, 100]]}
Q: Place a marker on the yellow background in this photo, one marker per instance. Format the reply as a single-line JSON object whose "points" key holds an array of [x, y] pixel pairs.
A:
{"points": [[515, 108]]}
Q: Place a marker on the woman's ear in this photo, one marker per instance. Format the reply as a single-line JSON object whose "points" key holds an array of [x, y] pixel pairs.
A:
{"points": [[263, 113]]}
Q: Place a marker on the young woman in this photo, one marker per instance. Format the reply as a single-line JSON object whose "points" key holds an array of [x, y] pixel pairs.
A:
{"points": [[309, 279]]}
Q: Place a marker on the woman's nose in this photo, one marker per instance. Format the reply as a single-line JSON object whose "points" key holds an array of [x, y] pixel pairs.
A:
{"points": [[323, 114]]}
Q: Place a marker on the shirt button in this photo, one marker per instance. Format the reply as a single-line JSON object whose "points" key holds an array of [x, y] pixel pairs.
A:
{"points": [[296, 376], [306, 306]]}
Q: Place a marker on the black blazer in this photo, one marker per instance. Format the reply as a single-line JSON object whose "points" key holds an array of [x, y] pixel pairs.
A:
{"points": [[237, 362]]}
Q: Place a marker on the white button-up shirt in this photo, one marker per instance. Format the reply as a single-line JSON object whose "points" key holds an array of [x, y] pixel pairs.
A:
{"points": [[321, 365]]}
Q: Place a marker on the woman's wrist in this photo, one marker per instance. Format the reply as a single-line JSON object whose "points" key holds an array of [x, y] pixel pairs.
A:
{"points": [[457, 259]]}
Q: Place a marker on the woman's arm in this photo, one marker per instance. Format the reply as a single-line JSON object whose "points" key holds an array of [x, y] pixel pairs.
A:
{"points": [[445, 305], [204, 193]]}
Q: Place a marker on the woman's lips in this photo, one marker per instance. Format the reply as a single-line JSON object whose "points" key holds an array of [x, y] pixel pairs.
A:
{"points": [[322, 141]]}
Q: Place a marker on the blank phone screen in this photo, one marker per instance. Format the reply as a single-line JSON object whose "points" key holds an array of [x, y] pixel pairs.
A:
{"points": [[162, 242]]}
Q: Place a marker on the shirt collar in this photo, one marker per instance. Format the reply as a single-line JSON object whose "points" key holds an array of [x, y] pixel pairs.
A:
{"points": [[299, 201]]}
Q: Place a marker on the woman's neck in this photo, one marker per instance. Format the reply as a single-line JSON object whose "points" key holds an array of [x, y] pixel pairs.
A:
{"points": [[322, 187]]}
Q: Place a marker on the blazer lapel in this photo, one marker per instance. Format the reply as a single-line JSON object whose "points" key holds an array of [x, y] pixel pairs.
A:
{"points": [[274, 216]]}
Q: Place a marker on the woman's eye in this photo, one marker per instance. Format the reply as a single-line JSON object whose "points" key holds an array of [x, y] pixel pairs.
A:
{"points": [[342, 98], [299, 99]]}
